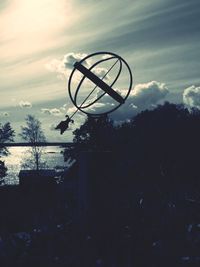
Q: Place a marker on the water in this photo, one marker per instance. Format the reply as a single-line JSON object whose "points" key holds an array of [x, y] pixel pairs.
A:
{"points": [[52, 156]]}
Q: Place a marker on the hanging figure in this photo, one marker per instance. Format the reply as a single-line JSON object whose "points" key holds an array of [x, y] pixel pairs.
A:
{"points": [[64, 125]]}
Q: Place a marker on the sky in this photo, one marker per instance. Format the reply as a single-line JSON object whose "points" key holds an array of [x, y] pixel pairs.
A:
{"points": [[41, 39]]}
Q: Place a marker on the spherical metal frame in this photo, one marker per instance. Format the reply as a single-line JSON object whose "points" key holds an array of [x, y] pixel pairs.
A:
{"points": [[80, 83]]}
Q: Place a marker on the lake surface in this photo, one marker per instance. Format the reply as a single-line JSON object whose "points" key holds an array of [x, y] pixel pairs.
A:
{"points": [[52, 156]]}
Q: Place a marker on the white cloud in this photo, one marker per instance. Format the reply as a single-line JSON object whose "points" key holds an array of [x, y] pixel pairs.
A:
{"points": [[53, 111], [25, 104], [101, 72], [46, 111], [64, 66], [4, 114], [70, 58], [64, 108], [56, 112], [191, 96]]}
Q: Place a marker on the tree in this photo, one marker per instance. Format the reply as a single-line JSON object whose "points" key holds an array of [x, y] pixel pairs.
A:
{"points": [[33, 134], [3, 171], [6, 135], [95, 134], [163, 145], [159, 146]]}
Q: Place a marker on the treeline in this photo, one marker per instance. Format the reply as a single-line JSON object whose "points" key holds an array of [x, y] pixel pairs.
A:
{"points": [[157, 144], [153, 219], [161, 145], [32, 133]]}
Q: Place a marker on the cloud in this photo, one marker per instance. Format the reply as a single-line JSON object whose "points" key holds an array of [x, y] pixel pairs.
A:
{"points": [[148, 94], [53, 111], [101, 72], [191, 96], [143, 96], [4, 114], [46, 111], [64, 108], [25, 104], [70, 58], [56, 112], [64, 66]]}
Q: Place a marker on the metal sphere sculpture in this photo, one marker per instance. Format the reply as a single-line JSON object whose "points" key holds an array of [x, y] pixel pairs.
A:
{"points": [[88, 73], [99, 83]]}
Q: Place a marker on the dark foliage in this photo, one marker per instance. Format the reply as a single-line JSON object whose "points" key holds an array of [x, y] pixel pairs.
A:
{"points": [[3, 171], [144, 198], [6, 135], [164, 143], [161, 144], [96, 134]]}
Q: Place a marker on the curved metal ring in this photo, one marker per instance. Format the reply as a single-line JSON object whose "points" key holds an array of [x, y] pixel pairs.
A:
{"points": [[84, 59], [83, 78], [80, 83]]}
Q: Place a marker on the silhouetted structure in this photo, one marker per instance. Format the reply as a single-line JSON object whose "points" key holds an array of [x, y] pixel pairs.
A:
{"points": [[99, 82], [35, 178]]}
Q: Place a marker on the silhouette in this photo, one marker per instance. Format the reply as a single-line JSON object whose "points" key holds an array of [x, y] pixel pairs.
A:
{"points": [[3, 171], [64, 125], [6, 135], [144, 198], [99, 82], [33, 134]]}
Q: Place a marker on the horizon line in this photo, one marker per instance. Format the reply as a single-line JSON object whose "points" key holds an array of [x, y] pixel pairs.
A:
{"points": [[36, 144]]}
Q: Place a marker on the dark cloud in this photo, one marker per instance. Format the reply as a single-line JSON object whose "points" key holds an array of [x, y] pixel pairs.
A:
{"points": [[143, 96]]}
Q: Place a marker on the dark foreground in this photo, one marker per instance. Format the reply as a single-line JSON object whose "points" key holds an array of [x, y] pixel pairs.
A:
{"points": [[134, 227]]}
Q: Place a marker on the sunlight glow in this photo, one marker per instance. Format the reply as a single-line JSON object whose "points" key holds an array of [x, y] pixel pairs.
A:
{"points": [[32, 24]]}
